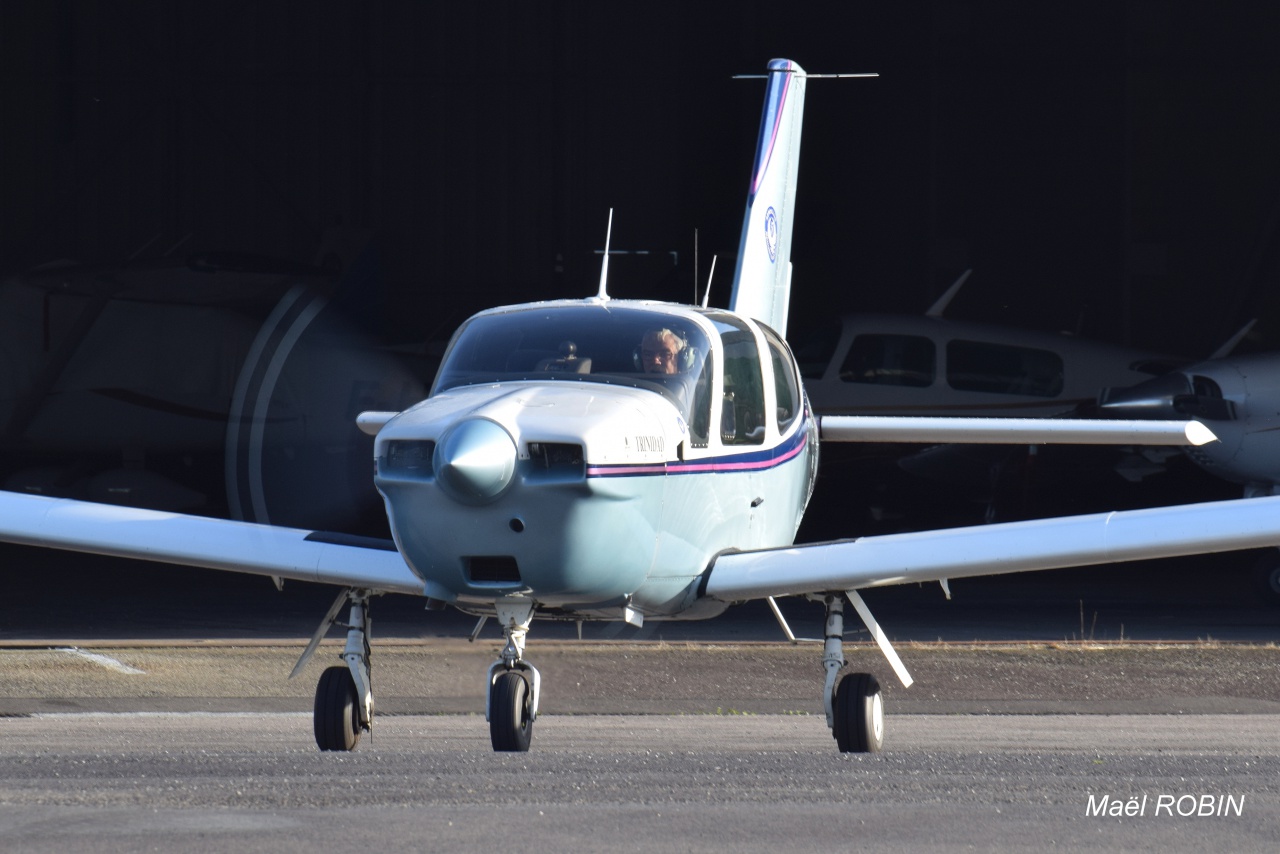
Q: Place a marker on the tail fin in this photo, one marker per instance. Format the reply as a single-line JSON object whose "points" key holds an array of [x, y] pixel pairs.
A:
{"points": [[762, 282]]}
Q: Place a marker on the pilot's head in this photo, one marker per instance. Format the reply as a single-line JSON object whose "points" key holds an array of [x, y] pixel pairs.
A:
{"points": [[660, 352]]}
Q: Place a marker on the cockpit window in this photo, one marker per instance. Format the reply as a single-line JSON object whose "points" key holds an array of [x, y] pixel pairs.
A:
{"points": [[587, 343], [742, 415], [786, 388]]}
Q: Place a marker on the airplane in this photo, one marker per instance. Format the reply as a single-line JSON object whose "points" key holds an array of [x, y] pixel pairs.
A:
{"points": [[215, 383], [627, 460], [1239, 397], [933, 365], [930, 364]]}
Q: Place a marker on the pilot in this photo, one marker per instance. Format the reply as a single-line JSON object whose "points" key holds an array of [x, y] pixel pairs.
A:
{"points": [[661, 352]]}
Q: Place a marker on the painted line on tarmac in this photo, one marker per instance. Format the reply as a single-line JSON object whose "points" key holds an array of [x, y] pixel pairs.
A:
{"points": [[103, 661]]}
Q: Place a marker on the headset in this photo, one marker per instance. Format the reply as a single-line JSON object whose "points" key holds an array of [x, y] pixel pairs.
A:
{"points": [[686, 356]]}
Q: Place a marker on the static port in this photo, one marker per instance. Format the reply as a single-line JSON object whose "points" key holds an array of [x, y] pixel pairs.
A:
{"points": [[517, 525]]}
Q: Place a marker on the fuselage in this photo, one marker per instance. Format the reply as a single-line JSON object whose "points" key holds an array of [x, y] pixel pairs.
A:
{"points": [[549, 464], [916, 364]]}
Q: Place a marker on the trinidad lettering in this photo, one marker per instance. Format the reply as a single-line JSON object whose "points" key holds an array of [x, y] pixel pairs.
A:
{"points": [[650, 443], [1173, 806]]}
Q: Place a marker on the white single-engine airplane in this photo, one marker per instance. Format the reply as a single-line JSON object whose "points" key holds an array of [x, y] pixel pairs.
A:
{"points": [[604, 459]]}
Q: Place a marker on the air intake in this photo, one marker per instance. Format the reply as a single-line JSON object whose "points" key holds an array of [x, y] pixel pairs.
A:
{"points": [[555, 461], [412, 457], [490, 569]]}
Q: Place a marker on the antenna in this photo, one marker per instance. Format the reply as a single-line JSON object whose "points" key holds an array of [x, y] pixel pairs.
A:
{"points": [[1230, 344], [943, 301], [706, 295], [604, 265]]}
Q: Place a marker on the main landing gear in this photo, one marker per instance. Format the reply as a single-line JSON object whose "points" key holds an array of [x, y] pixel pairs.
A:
{"points": [[344, 699], [854, 709], [514, 683]]}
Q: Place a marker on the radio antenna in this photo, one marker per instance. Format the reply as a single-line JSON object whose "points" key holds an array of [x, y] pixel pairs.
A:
{"points": [[603, 293]]}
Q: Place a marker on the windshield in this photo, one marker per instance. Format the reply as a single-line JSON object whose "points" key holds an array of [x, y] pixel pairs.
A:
{"points": [[584, 343]]}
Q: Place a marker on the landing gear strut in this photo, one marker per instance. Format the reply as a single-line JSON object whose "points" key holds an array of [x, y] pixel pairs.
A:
{"points": [[513, 683], [344, 699], [854, 709]]}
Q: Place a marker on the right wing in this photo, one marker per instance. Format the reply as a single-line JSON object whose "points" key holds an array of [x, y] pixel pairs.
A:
{"points": [[1010, 431], [938, 555], [107, 529]]}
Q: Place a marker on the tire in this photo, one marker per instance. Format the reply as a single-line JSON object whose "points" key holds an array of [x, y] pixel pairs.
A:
{"points": [[510, 723], [859, 714], [336, 715]]}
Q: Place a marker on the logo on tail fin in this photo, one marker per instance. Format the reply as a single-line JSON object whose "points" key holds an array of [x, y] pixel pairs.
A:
{"points": [[771, 234]]}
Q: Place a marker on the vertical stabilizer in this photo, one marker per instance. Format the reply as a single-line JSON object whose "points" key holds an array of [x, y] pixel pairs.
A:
{"points": [[762, 282]]}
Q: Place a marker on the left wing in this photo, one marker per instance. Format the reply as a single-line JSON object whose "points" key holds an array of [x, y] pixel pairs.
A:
{"points": [[939, 555], [130, 532]]}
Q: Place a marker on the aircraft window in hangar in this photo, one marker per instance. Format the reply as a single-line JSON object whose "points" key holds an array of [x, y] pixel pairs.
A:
{"points": [[786, 386], [904, 360], [814, 353], [742, 416], [1002, 369], [580, 343]]}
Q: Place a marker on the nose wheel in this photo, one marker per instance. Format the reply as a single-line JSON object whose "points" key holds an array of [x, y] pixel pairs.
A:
{"points": [[513, 683], [510, 712]]}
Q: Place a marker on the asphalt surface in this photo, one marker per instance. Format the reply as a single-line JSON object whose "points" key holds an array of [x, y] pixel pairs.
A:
{"points": [[85, 783], [146, 707]]}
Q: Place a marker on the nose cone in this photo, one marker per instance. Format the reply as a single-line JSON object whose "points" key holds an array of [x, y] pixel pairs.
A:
{"points": [[475, 461]]}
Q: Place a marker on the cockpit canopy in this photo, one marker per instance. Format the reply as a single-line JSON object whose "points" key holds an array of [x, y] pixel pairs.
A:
{"points": [[670, 352], [581, 343]]}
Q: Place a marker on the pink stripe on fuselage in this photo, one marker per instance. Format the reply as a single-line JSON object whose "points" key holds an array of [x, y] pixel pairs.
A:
{"points": [[694, 467]]}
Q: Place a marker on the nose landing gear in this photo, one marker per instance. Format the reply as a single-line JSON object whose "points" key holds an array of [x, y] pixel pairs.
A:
{"points": [[514, 684]]}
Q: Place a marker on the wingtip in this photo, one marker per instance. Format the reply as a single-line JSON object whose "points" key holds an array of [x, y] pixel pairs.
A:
{"points": [[1198, 434], [371, 422]]}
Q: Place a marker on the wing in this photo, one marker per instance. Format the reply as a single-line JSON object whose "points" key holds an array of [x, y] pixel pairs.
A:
{"points": [[995, 549], [199, 541], [1011, 431]]}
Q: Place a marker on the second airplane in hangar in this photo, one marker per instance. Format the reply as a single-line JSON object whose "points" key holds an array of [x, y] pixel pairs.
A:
{"points": [[604, 459], [1240, 397]]}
